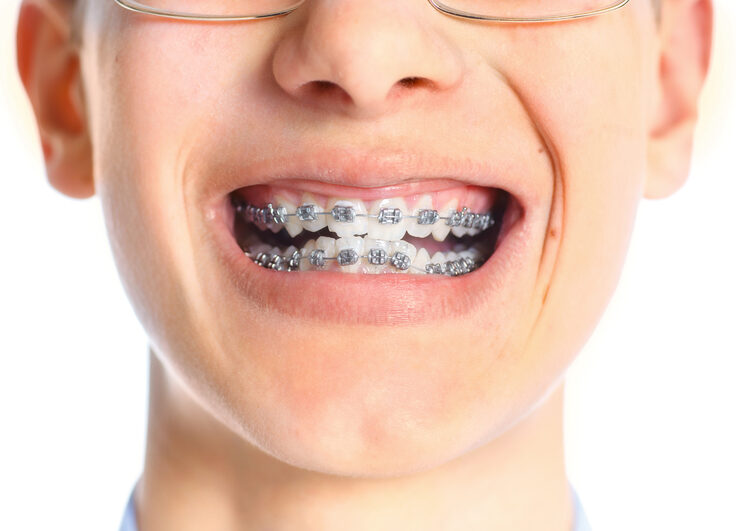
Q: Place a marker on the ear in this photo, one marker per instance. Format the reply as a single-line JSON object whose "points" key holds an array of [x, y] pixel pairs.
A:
{"points": [[49, 67], [685, 43]]}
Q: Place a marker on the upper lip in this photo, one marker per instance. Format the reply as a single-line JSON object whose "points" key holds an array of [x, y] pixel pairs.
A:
{"points": [[346, 169]]}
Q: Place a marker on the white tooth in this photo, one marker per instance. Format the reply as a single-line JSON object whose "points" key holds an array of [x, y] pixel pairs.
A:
{"points": [[254, 250], [387, 231], [421, 260], [441, 229], [344, 229], [403, 247], [350, 243], [370, 243], [470, 253], [293, 226], [412, 225], [304, 265], [321, 221], [438, 258], [451, 256], [460, 231], [327, 244]]}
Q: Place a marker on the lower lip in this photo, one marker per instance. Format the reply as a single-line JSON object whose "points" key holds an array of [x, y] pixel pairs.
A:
{"points": [[390, 299]]}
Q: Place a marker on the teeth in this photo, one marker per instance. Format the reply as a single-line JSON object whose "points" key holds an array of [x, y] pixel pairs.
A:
{"points": [[402, 255], [348, 252], [472, 253], [348, 217], [460, 231], [441, 229], [421, 260], [292, 225], [378, 253], [327, 246], [305, 264], [318, 222], [355, 254], [438, 258], [383, 250], [390, 220], [413, 226]]}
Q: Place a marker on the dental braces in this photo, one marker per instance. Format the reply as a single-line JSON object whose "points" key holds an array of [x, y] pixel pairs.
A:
{"points": [[347, 257], [278, 215]]}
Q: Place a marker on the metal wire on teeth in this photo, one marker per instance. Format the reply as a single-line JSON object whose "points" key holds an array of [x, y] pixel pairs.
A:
{"points": [[278, 215], [346, 257]]}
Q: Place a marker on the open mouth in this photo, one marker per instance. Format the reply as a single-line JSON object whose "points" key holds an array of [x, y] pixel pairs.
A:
{"points": [[449, 232]]}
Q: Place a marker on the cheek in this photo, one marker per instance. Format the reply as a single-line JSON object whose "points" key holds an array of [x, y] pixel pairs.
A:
{"points": [[146, 100], [594, 119]]}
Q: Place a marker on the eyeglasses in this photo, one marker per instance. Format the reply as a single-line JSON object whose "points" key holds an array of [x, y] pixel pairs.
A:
{"points": [[516, 11]]}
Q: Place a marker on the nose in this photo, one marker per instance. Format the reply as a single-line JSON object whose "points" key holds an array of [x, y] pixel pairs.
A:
{"points": [[362, 57]]}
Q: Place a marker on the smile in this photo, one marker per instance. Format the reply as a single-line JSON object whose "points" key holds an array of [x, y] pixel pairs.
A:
{"points": [[419, 234], [346, 237]]}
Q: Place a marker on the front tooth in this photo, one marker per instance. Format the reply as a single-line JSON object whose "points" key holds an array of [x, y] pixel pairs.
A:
{"points": [[412, 225], [393, 217], [421, 260], [378, 253], [441, 229], [343, 228], [399, 249], [320, 222], [348, 252], [293, 226]]}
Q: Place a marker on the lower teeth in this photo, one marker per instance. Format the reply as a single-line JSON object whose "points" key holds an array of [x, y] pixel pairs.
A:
{"points": [[398, 262]]}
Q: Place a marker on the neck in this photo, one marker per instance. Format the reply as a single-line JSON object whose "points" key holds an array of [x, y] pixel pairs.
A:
{"points": [[200, 475]]}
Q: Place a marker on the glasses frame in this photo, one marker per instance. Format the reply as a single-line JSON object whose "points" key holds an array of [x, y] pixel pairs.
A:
{"points": [[439, 6]]}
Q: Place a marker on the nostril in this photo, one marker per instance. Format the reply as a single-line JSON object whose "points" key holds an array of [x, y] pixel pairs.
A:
{"points": [[415, 83], [320, 89], [410, 82]]}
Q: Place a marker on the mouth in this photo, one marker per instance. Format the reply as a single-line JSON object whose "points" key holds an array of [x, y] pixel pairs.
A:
{"points": [[368, 241], [451, 231]]}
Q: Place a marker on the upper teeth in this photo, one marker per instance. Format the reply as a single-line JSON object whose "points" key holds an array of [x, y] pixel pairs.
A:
{"points": [[388, 219]]}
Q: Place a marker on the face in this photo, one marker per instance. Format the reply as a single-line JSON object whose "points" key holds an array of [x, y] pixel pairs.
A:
{"points": [[369, 105]]}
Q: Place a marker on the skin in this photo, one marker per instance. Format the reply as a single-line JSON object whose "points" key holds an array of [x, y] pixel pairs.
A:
{"points": [[261, 420]]}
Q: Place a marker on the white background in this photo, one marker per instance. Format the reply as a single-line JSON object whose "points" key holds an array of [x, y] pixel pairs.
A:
{"points": [[650, 417]]}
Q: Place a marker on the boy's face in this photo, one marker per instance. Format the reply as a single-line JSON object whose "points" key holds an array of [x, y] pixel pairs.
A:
{"points": [[357, 373]]}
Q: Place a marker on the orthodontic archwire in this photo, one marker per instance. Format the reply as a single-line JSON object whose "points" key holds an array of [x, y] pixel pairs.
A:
{"points": [[347, 257], [347, 214], [376, 256]]}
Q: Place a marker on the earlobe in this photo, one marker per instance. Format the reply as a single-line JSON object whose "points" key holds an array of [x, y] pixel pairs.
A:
{"points": [[685, 41], [48, 64]]}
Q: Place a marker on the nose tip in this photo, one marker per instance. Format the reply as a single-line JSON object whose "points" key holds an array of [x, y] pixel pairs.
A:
{"points": [[363, 58]]}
